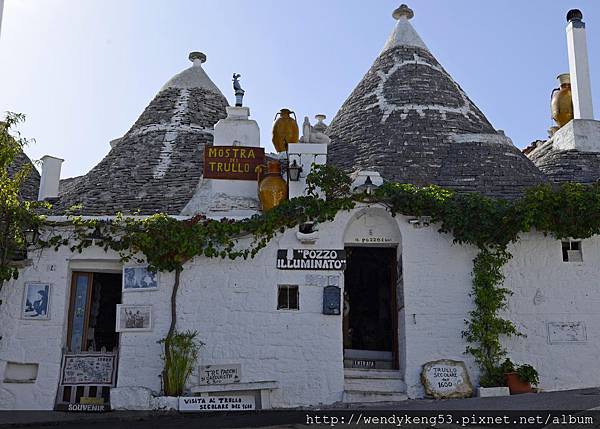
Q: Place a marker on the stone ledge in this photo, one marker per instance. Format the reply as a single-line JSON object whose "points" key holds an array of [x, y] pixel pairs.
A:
{"points": [[579, 134], [489, 392], [232, 387]]}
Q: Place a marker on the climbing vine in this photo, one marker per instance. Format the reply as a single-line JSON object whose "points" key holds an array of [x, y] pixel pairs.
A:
{"points": [[491, 225], [17, 216]]}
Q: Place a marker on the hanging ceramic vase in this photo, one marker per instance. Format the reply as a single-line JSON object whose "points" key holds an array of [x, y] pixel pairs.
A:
{"points": [[285, 130], [561, 102], [272, 190]]}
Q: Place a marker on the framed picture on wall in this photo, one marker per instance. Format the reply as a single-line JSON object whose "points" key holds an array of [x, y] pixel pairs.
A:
{"points": [[139, 278], [134, 318], [36, 301]]}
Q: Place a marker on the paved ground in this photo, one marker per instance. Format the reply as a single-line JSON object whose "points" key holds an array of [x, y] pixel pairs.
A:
{"points": [[541, 407]]}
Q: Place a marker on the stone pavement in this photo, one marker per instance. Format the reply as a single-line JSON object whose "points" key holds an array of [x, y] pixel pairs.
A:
{"points": [[569, 403]]}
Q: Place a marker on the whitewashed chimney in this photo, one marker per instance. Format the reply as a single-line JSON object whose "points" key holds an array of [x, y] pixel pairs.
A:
{"points": [[579, 66], [50, 177], [583, 132]]}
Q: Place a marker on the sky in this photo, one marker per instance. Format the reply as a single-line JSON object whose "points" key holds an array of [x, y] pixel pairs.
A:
{"points": [[83, 70]]}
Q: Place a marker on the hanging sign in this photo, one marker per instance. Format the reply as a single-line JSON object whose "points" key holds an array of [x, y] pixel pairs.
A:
{"points": [[233, 162], [311, 259]]}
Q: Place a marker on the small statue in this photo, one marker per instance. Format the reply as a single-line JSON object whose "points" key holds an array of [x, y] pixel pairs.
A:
{"points": [[239, 92], [306, 130], [316, 133]]}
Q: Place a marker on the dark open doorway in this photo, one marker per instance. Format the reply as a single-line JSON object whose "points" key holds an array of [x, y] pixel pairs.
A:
{"points": [[88, 369], [370, 314], [92, 317]]}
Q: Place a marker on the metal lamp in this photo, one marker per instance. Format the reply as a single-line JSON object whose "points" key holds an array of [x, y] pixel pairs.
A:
{"points": [[294, 171], [366, 187], [31, 236]]}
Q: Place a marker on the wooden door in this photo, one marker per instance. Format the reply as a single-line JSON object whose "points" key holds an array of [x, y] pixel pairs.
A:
{"points": [[79, 312]]}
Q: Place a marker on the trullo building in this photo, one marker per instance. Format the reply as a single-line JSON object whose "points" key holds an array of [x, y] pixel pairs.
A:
{"points": [[289, 329]]}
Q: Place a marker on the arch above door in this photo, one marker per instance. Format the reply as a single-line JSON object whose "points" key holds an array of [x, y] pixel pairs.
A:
{"points": [[372, 226]]}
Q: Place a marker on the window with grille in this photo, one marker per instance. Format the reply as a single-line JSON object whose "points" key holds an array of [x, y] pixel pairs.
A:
{"points": [[288, 297], [571, 251]]}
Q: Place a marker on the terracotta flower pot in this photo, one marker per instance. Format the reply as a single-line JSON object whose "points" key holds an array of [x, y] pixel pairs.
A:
{"points": [[516, 385]]}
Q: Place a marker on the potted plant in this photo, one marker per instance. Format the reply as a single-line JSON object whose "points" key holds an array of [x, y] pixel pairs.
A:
{"points": [[179, 357], [520, 379]]}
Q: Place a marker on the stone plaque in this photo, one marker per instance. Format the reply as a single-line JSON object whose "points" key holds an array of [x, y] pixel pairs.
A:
{"points": [[566, 332], [446, 379], [216, 403], [220, 374]]}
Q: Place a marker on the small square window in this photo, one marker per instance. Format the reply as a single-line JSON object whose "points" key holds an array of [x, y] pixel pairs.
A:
{"points": [[287, 297], [571, 251]]}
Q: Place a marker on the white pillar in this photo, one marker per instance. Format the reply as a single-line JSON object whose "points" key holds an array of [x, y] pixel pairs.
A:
{"points": [[305, 155], [50, 179], [579, 67]]}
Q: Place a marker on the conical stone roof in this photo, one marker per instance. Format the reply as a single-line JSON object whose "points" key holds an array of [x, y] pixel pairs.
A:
{"points": [[31, 185], [410, 121], [156, 166], [562, 166]]}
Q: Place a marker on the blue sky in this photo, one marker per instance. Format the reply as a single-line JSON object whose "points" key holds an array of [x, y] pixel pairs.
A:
{"points": [[83, 70]]}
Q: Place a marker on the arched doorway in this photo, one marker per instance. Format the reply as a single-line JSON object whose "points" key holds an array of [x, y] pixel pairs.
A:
{"points": [[373, 322]]}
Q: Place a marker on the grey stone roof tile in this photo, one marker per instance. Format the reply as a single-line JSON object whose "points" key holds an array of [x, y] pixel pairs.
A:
{"points": [[567, 165], [31, 185]]}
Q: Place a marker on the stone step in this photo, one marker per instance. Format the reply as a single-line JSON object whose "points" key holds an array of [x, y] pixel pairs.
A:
{"points": [[354, 396], [372, 373], [375, 384]]}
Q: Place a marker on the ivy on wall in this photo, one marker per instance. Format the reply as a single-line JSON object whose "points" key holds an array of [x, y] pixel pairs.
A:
{"points": [[17, 216], [568, 211]]}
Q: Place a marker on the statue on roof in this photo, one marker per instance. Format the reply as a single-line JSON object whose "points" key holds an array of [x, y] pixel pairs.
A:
{"points": [[239, 92], [316, 133]]}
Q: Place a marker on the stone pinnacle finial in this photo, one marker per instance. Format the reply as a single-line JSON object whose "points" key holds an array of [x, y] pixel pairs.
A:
{"points": [[197, 56], [403, 10]]}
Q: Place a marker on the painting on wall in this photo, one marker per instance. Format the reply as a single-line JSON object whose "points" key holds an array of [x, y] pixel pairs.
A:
{"points": [[134, 318], [139, 278], [36, 302]]}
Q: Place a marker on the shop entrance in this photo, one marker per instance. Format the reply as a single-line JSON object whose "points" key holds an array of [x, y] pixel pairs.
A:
{"points": [[90, 360], [370, 323]]}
